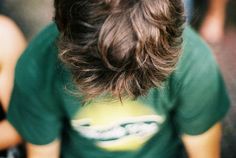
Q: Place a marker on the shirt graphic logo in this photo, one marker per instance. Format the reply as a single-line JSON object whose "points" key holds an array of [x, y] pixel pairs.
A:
{"points": [[116, 127]]}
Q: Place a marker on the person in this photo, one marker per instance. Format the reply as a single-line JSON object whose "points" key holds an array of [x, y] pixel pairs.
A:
{"points": [[118, 79], [12, 45], [212, 27]]}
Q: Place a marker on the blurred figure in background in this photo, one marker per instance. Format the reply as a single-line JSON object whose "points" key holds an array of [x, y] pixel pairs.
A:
{"points": [[12, 44], [212, 27]]}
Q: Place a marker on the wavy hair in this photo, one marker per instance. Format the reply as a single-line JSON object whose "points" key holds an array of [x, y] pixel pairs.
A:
{"points": [[120, 47]]}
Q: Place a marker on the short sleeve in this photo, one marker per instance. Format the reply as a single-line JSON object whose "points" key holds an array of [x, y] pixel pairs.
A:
{"points": [[34, 110], [202, 99]]}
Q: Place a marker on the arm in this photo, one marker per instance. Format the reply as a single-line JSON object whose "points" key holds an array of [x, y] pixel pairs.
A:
{"points": [[8, 137], [12, 45], [51, 150], [206, 145], [217, 7], [212, 29]]}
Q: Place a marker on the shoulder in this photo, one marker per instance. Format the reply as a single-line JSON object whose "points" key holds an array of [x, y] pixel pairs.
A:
{"points": [[194, 48], [196, 64], [39, 61], [45, 40], [42, 48], [197, 58]]}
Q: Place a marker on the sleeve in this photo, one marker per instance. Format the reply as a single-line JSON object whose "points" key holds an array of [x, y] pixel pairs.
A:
{"points": [[33, 110], [202, 99]]}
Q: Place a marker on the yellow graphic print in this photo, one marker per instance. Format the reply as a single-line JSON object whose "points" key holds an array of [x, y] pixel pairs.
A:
{"points": [[116, 126]]}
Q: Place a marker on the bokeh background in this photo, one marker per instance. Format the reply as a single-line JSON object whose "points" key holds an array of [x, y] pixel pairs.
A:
{"points": [[33, 15]]}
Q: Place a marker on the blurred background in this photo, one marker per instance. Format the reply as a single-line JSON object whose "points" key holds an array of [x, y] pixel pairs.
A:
{"points": [[32, 15]]}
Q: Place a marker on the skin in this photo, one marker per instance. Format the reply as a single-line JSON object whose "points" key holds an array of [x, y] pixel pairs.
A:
{"points": [[206, 145], [212, 28], [51, 150], [12, 45]]}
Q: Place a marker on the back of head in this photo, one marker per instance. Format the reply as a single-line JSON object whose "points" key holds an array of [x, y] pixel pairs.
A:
{"points": [[121, 47]]}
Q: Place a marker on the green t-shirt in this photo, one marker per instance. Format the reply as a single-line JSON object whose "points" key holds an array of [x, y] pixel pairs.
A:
{"points": [[44, 108]]}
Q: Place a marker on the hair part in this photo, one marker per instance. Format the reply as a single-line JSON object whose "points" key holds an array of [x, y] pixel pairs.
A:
{"points": [[120, 47]]}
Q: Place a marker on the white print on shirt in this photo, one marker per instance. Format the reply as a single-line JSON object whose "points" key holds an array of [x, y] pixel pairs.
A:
{"points": [[126, 130]]}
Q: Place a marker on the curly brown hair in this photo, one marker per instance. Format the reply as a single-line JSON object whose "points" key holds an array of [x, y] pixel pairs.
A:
{"points": [[120, 47]]}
